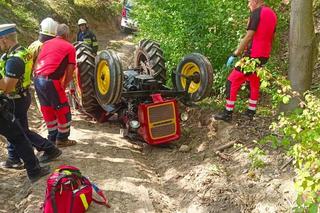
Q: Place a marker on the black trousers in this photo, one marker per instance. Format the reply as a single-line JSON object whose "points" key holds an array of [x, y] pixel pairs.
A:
{"points": [[20, 107], [13, 132]]}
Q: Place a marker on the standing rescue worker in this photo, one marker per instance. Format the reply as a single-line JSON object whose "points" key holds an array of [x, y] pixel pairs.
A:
{"points": [[15, 74], [256, 46], [53, 71], [86, 35], [48, 29]]}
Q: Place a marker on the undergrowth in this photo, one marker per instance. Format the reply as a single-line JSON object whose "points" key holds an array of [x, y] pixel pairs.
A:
{"points": [[28, 14]]}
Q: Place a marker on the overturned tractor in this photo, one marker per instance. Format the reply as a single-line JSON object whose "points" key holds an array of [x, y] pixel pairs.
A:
{"points": [[146, 108]]}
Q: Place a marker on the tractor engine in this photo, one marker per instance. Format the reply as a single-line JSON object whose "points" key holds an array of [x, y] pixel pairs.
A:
{"points": [[135, 81]]}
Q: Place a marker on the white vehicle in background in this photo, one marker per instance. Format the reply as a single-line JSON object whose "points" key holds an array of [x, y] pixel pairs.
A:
{"points": [[127, 23]]}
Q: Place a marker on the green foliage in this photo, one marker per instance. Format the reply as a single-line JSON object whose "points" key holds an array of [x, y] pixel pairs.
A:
{"points": [[17, 12], [99, 8], [212, 28], [219, 82], [300, 131], [256, 157], [316, 5], [214, 169], [28, 14], [271, 81]]}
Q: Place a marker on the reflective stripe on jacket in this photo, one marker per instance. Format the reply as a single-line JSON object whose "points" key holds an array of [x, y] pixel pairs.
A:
{"points": [[89, 38]]}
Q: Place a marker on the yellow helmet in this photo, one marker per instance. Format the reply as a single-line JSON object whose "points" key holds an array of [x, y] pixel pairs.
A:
{"points": [[82, 21]]}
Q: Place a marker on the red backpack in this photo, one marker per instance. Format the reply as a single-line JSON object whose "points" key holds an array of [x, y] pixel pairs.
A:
{"points": [[70, 192]]}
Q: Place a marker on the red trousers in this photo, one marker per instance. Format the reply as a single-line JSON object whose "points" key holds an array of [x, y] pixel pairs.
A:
{"points": [[235, 80], [54, 107]]}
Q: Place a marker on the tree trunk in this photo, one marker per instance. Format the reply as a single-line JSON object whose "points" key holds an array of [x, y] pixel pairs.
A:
{"points": [[302, 47]]}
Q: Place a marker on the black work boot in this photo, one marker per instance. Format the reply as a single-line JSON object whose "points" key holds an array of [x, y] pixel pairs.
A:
{"points": [[39, 173], [224, 115], [12, 164], [249, 114], [50, 155]]}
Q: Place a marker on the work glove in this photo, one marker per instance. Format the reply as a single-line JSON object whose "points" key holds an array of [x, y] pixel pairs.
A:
{"points": [[231, 60]]}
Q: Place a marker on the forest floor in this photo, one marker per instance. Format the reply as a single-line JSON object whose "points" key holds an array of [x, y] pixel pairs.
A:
{"points": [[188, 175]]}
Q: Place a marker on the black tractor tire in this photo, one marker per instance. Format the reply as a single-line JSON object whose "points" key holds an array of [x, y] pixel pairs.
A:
{"points": [[108, 78], [198, 64], [84, 80], [150, 53]]}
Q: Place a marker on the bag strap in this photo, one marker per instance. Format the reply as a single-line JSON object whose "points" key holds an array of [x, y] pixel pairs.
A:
{"points": [[102, 195], [53, 192]]}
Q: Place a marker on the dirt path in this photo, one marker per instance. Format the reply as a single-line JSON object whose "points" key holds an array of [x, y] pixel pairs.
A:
{"points": [[102, 155], [107, 159], [185, 176]]}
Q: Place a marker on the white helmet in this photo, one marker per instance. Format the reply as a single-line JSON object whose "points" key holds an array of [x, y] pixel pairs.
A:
{"points": [[48, 27], [82, 21]]}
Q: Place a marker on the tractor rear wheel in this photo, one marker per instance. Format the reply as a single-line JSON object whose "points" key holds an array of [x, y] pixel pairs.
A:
{"points": [[200, 68], [84, 80], [149, 54], [108, 78]]}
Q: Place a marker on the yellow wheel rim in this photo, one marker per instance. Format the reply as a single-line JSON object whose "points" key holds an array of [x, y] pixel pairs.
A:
{"points": [[103, 76], [189, 69]]}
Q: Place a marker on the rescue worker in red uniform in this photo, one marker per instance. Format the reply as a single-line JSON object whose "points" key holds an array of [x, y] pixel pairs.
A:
{"points": [[53, 71], [15, 99], [255, 46]]}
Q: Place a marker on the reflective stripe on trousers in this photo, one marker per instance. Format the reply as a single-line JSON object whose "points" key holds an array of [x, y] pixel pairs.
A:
{"points": [[54, 107], [234, 82]]}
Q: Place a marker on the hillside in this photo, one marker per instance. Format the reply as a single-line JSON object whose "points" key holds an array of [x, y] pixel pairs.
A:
{"points": [[28, 14]]}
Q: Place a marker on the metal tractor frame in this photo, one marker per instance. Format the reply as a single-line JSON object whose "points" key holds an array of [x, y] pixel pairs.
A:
{"points": [[147, 109]]}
